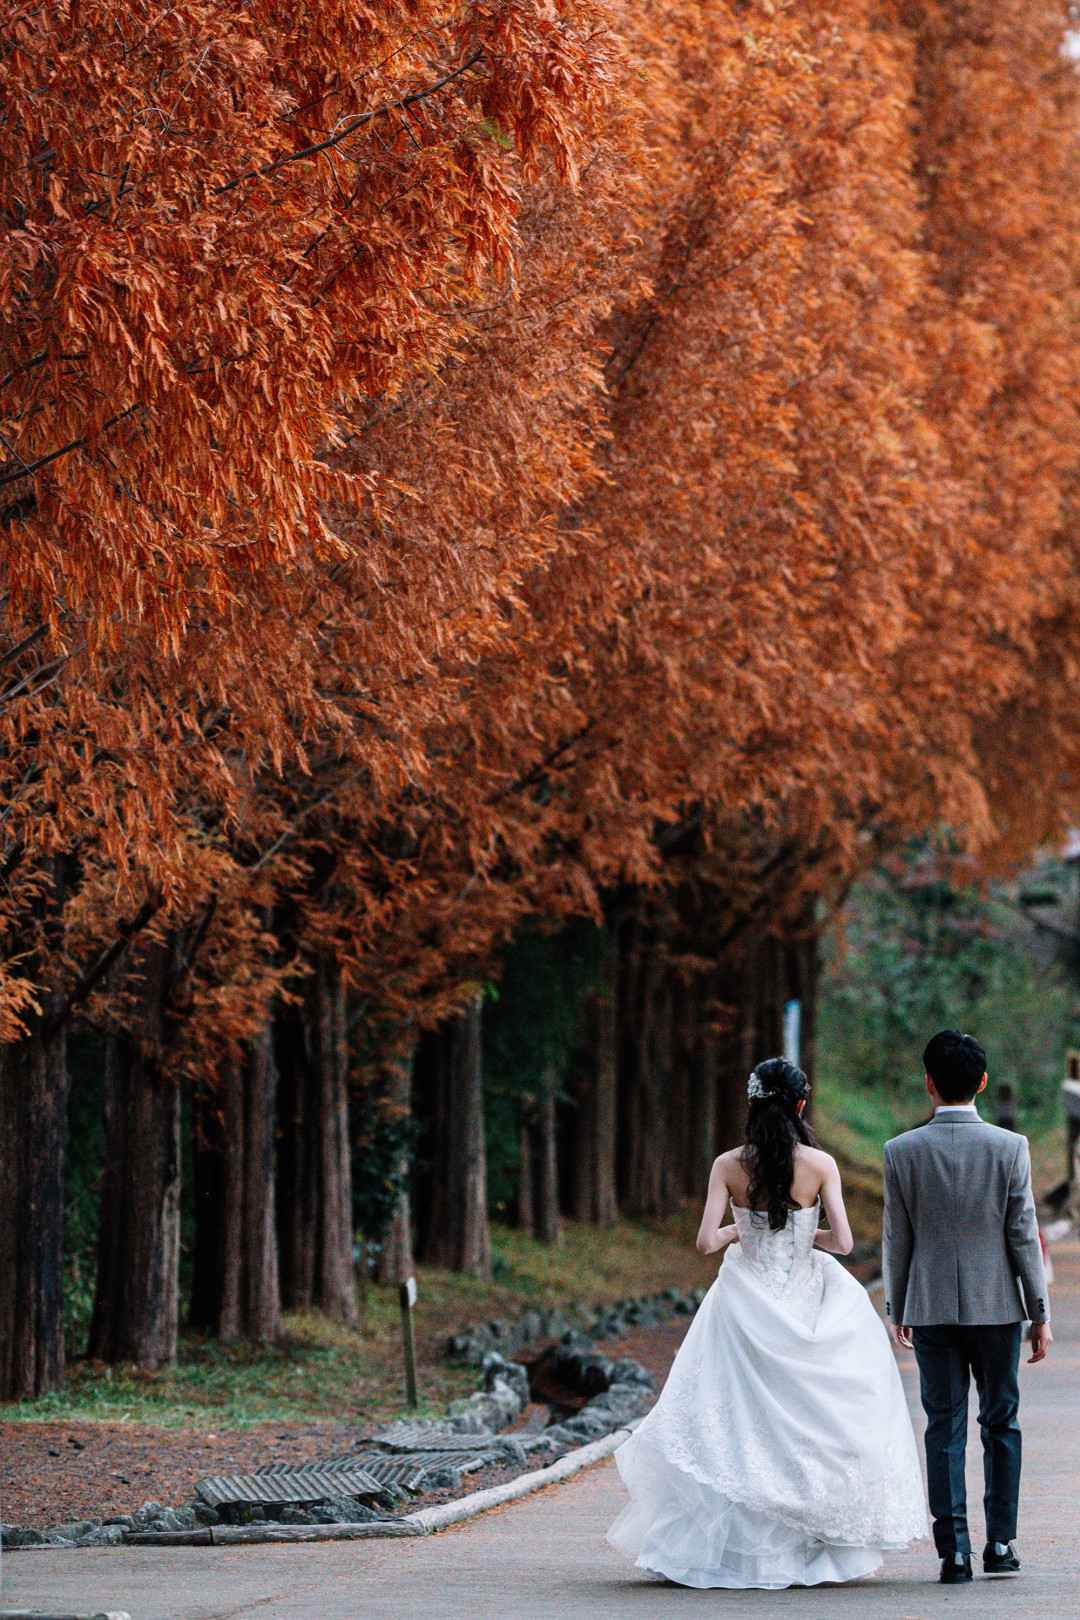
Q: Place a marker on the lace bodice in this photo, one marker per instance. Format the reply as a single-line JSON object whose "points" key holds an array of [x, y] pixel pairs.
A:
{"points": [[783, 1260]]}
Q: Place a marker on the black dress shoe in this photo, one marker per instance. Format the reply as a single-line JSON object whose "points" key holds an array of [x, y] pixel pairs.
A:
{"points": [[999, 1558], [955, 1567]]}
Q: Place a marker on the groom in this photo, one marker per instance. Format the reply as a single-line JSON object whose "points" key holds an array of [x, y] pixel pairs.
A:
{"points": [[963, 1269]]}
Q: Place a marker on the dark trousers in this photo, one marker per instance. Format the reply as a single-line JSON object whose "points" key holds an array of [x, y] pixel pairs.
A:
{"points": [[948, 1358]]}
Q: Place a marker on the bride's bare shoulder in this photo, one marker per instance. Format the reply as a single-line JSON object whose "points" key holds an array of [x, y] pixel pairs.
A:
{"points": [[728, 1163], [732, 1156], [814, 1158]]}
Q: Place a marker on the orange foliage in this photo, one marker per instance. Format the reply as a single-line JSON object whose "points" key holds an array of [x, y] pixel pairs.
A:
{"points": [[443, 448]]}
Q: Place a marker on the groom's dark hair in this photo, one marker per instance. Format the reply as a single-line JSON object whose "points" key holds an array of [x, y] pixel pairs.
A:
{"points": [[956, 1064]]}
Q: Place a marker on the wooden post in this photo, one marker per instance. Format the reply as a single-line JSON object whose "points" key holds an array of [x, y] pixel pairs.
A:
{"points": [[407, 1299]]}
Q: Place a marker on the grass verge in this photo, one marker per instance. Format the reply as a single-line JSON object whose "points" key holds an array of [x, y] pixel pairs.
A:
{"points": [[322, 1370], [326, 1370]]}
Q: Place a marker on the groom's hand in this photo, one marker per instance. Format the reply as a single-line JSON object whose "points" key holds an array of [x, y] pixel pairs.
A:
{"points": [[901, 1336], [1041, 1340]]}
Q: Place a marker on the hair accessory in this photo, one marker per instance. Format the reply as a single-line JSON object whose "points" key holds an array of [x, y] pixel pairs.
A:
{"points": [[754, 1088]]}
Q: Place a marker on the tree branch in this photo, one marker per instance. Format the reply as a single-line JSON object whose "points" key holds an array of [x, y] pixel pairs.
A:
{"points": [[350, 128], [23, 646], [28, 468], [295, 825], [97, 971]]}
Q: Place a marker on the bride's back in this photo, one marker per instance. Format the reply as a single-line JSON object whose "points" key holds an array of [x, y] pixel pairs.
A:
{"points": [[810, 1169]]}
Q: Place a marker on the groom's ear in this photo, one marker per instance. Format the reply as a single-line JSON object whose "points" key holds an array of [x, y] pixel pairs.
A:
{"points": [[982, 1083]]}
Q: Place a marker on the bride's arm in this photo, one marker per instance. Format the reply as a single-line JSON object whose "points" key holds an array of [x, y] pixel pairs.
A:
{"points": [[836, 1238], [710, 1239]]}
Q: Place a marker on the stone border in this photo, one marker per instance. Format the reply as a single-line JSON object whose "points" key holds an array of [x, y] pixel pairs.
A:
{"points": [[536, 1326], [41, 1614], [467, 1507], [425, 1521], [615, 1391]]}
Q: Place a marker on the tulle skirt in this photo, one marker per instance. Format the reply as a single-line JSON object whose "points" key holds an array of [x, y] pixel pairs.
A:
{"points": [[780, 1452]]}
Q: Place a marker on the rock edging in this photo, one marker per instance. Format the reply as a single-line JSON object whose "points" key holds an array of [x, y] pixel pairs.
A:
{"points": [[618, 1392], [446, 1514]]}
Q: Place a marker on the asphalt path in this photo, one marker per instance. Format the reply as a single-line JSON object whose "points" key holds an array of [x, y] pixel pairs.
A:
{"points": [[546, 1559]]}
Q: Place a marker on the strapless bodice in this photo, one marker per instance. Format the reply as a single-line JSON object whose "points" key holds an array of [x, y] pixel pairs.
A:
{"points": [[781, 1259]]}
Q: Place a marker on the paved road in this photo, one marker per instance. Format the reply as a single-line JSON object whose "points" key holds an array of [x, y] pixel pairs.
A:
{"points": [[545, 1558]]}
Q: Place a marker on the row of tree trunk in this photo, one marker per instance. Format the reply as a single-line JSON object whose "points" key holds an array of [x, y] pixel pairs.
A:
{"points": [[668, 1046], [655, 1089]]}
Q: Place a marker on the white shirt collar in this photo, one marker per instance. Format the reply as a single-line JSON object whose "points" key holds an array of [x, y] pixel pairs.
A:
{"points": [[957, 1108]]}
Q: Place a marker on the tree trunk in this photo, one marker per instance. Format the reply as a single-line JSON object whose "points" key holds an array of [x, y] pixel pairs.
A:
{"points": [[33, 1137], [235, 1290], [137, 1294], [33, 1120], [649, 1187], [703, 1067], [459, 1238], [583, 1138], [594, 1144], [396, 1263], [605, 1095], [708, 1074], [636, 1024], [526, 1180], [682, 1121], [315, 1230], [433, 1073], [548, 1221]]}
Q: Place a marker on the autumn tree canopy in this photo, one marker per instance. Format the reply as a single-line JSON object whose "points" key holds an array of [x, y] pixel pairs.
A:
{"points": [[510, 460]]}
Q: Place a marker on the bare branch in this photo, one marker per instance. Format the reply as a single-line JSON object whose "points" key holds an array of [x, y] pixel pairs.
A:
{"points": [[97, 971], [22, 646], [27, 468], [295, 825], [350, 128]]}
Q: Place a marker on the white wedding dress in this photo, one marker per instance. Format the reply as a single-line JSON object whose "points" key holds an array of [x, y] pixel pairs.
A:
{"points": [[780, 1452]]}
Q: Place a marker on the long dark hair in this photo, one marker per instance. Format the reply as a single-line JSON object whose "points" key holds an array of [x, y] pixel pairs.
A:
{"points": [[773, 1127]]}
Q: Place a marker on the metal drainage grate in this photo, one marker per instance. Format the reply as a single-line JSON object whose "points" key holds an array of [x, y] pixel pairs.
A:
{"points": [[284, 1485], [426, 1437], [406, 1475], [460, 1462], [328, 1465]]}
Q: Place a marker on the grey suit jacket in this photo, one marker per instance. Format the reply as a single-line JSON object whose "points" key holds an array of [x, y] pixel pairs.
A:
{"points": [[961, 1240]]}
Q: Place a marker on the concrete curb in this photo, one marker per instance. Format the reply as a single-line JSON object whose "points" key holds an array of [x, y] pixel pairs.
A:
{"points": [[421, 1523], [467, 1507], [42, 1614], [244, 1535], [231, 1535]]}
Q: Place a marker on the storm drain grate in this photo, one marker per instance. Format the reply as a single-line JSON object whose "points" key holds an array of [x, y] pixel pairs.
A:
{"points": [[407, 1476], [285, 1485], [461, 1462], [458, 1444], [328, 1465]]}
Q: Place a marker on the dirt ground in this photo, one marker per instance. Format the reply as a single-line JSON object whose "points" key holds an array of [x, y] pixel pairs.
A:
{"points": [[54, 1472]]}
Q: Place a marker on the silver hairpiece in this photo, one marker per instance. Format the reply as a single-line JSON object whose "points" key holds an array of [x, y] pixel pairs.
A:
{"points": [[754, 1088]]}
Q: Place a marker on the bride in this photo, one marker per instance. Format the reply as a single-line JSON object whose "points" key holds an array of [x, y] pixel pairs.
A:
{"points": [[780, 1452]]}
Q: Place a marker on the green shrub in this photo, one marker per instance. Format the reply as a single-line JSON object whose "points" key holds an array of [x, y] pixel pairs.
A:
{"points": [[913, 956]]}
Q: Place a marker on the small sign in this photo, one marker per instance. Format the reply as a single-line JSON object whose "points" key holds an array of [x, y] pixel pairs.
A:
{"points": [[793, 1031], [407, 1297]]}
